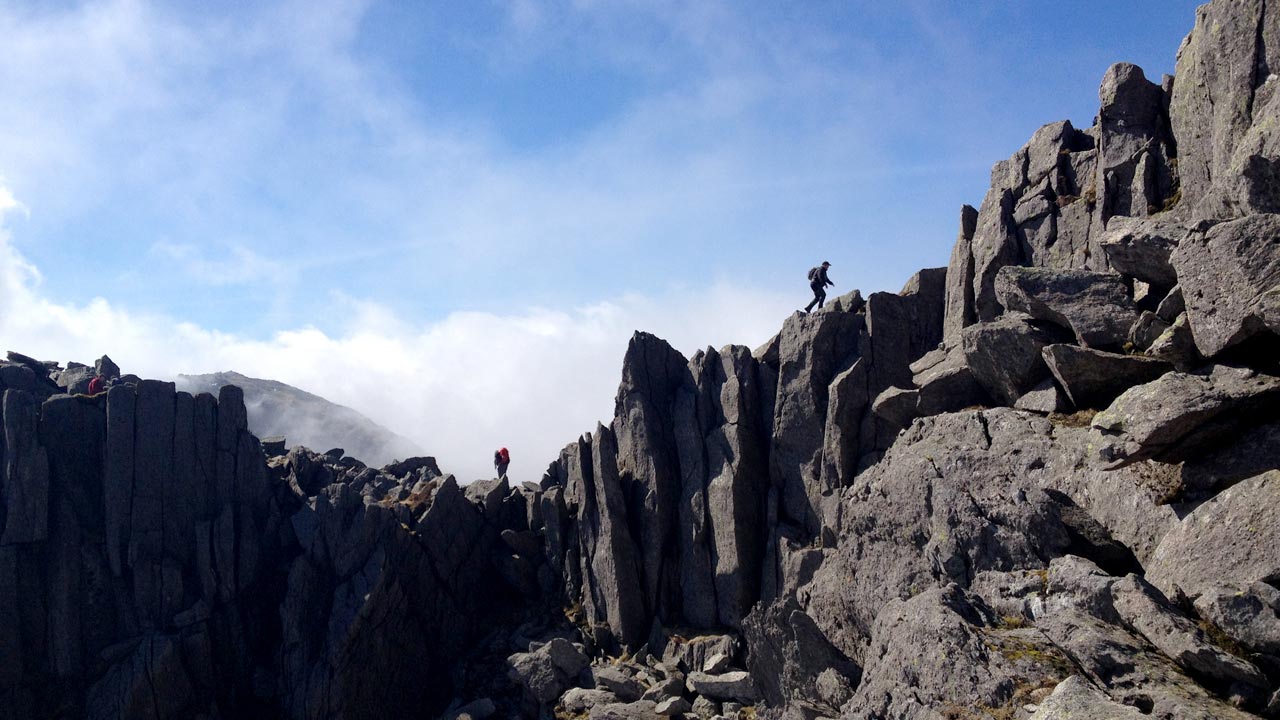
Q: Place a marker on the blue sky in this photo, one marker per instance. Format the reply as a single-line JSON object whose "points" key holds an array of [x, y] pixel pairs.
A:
{"points": [[481, 200]]}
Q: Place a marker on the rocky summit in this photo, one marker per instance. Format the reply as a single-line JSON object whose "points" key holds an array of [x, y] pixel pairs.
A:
{"points": [[1040, 482]]}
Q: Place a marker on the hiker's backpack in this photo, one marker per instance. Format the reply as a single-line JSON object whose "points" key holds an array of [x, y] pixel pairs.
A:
{"points": [[813, 274], [504, 456]]}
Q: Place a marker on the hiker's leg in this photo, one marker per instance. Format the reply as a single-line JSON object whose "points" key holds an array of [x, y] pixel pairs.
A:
{"points": [[822, 296]]}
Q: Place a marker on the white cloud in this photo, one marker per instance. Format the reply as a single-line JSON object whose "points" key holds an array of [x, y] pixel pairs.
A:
{"points": [[530, 380]]}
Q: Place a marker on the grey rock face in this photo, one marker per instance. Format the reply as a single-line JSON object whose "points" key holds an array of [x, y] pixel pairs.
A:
{"points": [[1222, 109], [25, 466], [960, 309], [1096, 307], [1144, 611], [1093, 378], [1230, 278], [1247, 613], [904, 680], [1177, 414], [813, 350], [1229, 539], [789, 654]]}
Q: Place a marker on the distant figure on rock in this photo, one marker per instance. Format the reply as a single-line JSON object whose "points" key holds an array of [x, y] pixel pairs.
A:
{"points": [[818, 282], [501, 459], [97, 384]]}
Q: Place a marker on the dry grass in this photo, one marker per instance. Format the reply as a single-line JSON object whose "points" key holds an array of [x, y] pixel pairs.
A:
{"points": [[1077, 419]]}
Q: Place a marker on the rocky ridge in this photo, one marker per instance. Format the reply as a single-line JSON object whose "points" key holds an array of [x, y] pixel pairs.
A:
{"points": [[1038, 483]]}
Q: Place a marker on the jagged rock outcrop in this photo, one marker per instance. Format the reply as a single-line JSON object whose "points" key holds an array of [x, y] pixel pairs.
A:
{"points": [[883, 512]]}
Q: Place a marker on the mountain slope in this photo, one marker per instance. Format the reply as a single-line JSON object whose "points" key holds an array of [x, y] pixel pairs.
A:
{"points": [[277, 409]]}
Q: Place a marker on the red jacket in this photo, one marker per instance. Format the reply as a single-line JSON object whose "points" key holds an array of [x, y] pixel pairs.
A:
{"points": [[95, 385]]}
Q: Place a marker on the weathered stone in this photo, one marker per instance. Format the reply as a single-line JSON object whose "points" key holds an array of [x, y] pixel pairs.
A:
{"points": [[1177, 346], [1222, 109], [1146, 330], [960, 311], [1229, 539], [788, 653], [814, 350], [639, 710], [627, 688], [578, 700], [673, 706], [1248, 613], [1095, 306], [1144, 612], [1004, 355], [727, 686], [24, 471], [1044, 398], [1093, 378], [1173, 305], [912, 665], [1127, 668], [896, 406], [948, 385], [1139, 247], [1179, 413], [1076, 699], [1230, 278]]}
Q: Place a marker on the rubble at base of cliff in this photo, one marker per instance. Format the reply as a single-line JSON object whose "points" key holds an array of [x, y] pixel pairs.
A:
{"points": [[1040, 483]]}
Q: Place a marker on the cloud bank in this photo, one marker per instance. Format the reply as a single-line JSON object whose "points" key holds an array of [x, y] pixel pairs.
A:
{"points": [[531, 380]]}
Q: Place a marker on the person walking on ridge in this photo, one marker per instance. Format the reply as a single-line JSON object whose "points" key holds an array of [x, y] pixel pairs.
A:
{"points": [[818, 282], [501, 459]]}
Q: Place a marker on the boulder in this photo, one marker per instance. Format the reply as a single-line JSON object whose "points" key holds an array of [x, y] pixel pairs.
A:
{"points": [[1250, 453], [788, 654], [914, 647], [1144, 611], [546, 672], [1044, 398], [1093, 378], [1077, 699], [1139, 247], [1173, 305], [578, 700], [1248, 613], [1004, 355], [639, 710], [1229, 539], [947, 385], [1176, 345], [673, 706], [627, 688], [1179, 413], [1095, 306], [1230, 278], [1128, 669], [1146, 330], [726, 686], [896, 406]]}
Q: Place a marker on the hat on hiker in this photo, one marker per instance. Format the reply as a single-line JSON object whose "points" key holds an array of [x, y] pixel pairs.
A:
{"points": [[826, 264]]}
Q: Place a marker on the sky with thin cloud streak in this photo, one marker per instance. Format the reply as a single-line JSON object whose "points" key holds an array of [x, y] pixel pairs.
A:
{"points": [[451, 216]]}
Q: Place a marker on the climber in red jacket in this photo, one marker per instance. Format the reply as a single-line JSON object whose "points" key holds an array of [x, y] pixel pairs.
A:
{"points": [[501, 459]]}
